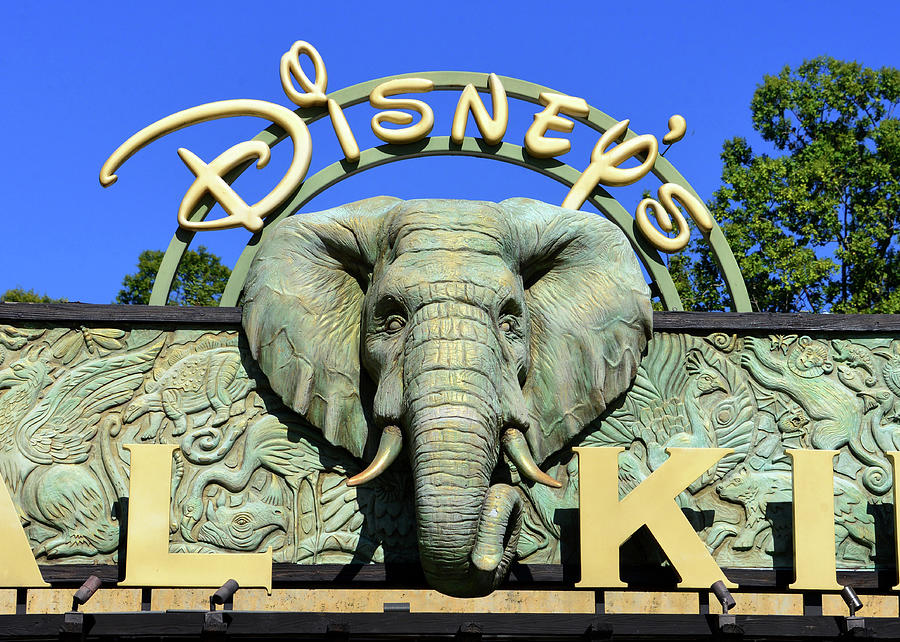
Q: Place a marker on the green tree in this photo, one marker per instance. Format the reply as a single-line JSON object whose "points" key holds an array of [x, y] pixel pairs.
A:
{"points": [[21, 295], [816, 227], [200, 279]]}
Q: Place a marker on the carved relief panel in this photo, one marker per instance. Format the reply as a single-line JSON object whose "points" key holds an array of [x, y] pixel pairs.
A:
{"points": [[250, 474]]}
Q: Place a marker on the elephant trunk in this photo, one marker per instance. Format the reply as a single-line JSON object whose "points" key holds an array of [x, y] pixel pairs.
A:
{"points": [[468, 529], [501, 521]]}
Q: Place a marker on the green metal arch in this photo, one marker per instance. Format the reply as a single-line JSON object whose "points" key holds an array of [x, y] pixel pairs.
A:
{"points": [[443, 146], [507, 152]]}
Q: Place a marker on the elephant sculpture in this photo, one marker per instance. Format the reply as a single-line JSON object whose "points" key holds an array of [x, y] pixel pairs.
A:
{"points": [[493, 333]]}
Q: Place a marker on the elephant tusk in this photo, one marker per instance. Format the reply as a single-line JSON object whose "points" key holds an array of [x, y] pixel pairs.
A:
{"points": [[388, 448], [517, 448]]}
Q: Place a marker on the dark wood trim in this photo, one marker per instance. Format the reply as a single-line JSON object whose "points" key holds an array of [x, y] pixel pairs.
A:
{"points": [[248, 625], [89, 313], [770, 322]]}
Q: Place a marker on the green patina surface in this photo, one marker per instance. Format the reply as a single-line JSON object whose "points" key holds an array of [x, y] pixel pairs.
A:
{"points": [[455, 321], [235, 485]]}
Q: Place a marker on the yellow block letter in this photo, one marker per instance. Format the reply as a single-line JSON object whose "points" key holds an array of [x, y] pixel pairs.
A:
{"points": [[814, 567], [149, 562], [18, 568], [893, 456], [606, 522]]}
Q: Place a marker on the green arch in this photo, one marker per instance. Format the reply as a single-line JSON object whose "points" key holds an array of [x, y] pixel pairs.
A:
{"points": [[441, 145]]}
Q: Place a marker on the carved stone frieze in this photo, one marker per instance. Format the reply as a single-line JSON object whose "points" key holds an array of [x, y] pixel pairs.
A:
{"points": [[250, 473]]}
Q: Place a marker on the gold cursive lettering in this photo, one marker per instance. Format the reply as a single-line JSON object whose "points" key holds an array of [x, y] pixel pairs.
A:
{"points": [[677, 129], [604, 166], [313, 94], [492, 129], [668, 193], [379, 99], [539, 145], [209, 177]]}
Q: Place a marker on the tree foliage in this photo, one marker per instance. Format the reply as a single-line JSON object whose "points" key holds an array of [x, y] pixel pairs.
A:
{"points": [[816, 227], [21, 295], [200, 279]]}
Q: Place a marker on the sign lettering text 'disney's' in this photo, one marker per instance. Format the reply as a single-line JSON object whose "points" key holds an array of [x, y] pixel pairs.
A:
{"points": [[417, 120]]}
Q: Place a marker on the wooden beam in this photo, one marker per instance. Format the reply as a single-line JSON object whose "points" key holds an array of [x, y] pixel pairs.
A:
{"points": [[691, 322], [440, 626]]}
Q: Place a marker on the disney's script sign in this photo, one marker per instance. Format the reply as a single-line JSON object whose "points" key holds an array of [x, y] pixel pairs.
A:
{"points": [[417, 120]]}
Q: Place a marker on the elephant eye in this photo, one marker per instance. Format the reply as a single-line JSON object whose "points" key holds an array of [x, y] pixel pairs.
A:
{"points": [[395, 323], [508, 325]]}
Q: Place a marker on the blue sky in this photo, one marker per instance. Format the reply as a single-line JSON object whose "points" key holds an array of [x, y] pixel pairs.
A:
{"points": [[79, 78]]}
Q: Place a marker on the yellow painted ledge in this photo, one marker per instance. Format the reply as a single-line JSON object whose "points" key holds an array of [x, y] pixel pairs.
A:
{"points": [[420, 601], [164, 599], [873, 606], [8, 601], [762, 604], [111, 600], [43, 601], [663, 602]]}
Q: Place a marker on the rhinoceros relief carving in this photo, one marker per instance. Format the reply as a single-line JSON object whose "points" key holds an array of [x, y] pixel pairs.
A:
{"points": [[484, 340]]}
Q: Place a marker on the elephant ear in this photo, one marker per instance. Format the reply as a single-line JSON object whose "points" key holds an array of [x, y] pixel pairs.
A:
{"points": [[303, 302], [590, 317]]}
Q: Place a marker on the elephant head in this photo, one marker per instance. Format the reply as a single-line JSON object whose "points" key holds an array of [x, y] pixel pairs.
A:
{"points": [[489, 330]]}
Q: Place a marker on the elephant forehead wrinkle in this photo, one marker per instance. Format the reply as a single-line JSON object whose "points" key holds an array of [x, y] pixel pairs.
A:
{"points": [[465, 475], [454, 418], [453, 355], [449, 380], [436, 387], [444, 438], [430, 269], [449, 308], [434, 350], [448, 239], [450, 312], [472, 223], [432, 403], [459, 354], [479, 296], [450, 328], [444, 317], [460, 408]]}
